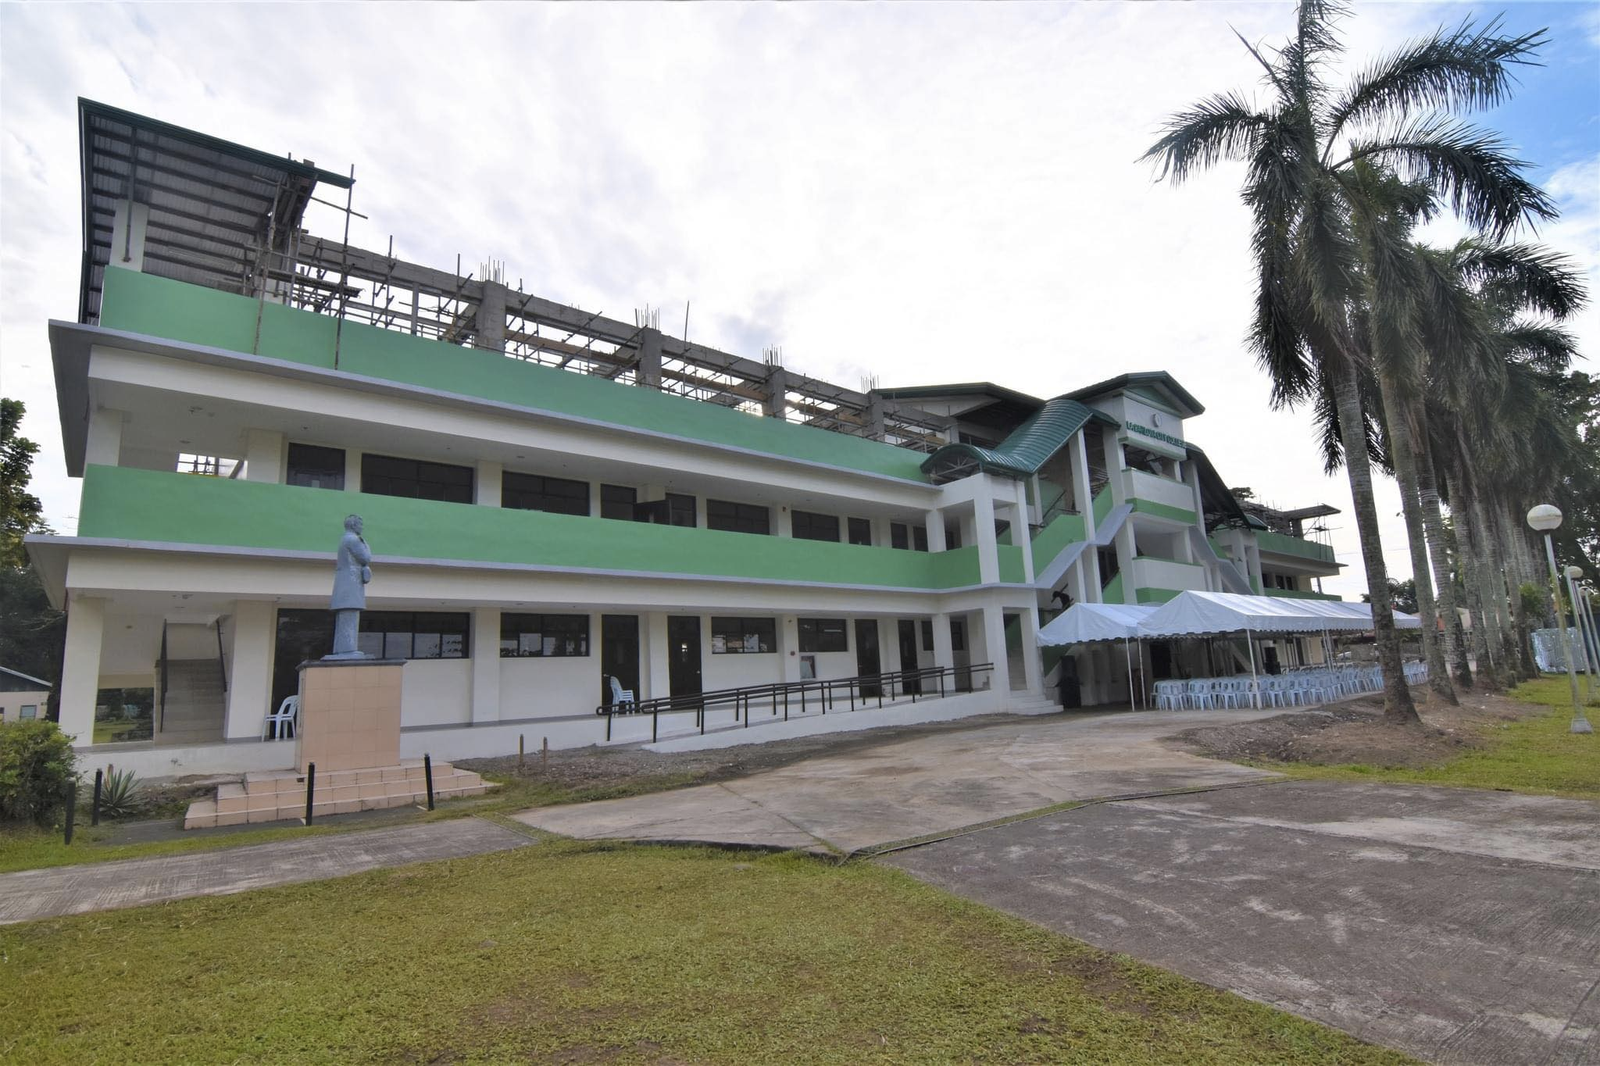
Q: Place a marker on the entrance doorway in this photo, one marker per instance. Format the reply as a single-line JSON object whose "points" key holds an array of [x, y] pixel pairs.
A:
{"points": [[619, 653], [868, 663], [908, 658], [683, 655]]}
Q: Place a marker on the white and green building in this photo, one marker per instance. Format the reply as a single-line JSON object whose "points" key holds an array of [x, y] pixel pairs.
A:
{"points": [[553, 497]]}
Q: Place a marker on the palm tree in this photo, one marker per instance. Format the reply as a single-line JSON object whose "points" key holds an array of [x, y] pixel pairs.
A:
{"points": [[1301, 149]]}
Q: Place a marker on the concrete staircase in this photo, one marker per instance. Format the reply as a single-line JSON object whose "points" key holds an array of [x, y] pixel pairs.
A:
{"points": [[281, 795], [1032, 703], [193, 711]]}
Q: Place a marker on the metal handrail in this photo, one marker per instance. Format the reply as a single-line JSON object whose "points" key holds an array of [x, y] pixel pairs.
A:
{"points": [[863, 689]]}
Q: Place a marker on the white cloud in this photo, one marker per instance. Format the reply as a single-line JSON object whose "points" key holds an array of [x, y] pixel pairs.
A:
{"points": [[923, 192]]}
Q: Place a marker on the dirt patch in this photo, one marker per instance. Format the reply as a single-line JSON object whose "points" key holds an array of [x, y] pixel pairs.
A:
{"points": [[596, 767], [1356, 732]]}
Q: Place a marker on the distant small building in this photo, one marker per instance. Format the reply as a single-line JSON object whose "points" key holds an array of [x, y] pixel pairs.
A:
{"points": [[22, 696]]}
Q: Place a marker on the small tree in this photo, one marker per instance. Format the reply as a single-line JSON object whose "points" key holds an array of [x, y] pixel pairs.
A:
{"points": [[36, 764]]}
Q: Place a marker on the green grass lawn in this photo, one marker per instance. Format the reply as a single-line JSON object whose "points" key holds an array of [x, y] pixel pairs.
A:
{"points": [[1538, 754], [24, 848], [571, 953]]}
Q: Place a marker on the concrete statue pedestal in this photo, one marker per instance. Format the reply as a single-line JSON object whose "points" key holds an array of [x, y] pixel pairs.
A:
{"points": [[349, 714]]}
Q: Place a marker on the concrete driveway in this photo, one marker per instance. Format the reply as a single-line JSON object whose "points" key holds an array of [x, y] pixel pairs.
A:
{"points": [[1460, 926], [925, 786]]}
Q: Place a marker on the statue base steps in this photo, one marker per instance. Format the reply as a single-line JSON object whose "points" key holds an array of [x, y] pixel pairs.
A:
{"points": [[280, 796]]}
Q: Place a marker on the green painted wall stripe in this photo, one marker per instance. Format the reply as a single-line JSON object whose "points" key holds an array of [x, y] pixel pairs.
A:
{"points": [[161, 307], [1161, 510], [149, 505]]}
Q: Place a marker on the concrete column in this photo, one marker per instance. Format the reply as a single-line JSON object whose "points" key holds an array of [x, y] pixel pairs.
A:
{"points": [[1127, 552], [80, 666], [1032, 665], [1115, 466], [782, 522], [1082, 492], [104, 444], [249, 670], [877, 423], [943, 654], [127, 248], [487, 483], [485, 664], [352, 470], [594, 499], [983, 534], [490, 325], [657, 679], [776, 404], [649, 373], [1021, 533], [264, 456], [935, 525], [994, 647], [789, 646]]}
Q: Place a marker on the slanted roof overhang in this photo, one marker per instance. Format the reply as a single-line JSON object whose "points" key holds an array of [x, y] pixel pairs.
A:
{"points": [[212, 203], [1186, 405], [1021, 454], [1219, 504]]}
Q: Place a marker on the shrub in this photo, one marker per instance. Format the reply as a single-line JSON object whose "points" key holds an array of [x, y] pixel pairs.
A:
{"points": [[119, 794], [35, 767]]}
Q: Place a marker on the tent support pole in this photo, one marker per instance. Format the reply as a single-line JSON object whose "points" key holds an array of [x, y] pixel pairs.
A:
{"points": [[1128, 658], [1255, 683]]}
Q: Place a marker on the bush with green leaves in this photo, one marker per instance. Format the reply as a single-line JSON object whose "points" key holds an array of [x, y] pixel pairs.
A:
{"points": [[36, 764], [120, 794]]}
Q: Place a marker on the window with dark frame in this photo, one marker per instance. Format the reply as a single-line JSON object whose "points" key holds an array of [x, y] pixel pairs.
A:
{"points": [[919, 538], [958, 635], [824, 634], [617, 501], [743, 636], [536, 492], [315, 467], [927, 635], [681, 510], [808, 525], [738, 517], [388, 475], [414, 634], [899, 535], [529, 636], [860, 531]]}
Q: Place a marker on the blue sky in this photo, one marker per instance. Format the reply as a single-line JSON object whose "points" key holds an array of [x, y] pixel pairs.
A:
{"points": [[919, 192]]}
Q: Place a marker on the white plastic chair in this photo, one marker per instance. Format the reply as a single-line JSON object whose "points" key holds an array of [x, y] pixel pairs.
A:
{"points": [[1199, 695], [287, 716], [619, 695]]}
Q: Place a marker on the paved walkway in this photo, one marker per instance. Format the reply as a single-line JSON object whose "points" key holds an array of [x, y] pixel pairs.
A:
{"points": [[1461, 926], [859, 800], [59, 890]]}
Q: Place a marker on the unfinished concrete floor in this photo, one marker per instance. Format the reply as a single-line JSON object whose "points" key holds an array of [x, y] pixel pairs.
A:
{"points": [[866, 798], [1461, 926]]}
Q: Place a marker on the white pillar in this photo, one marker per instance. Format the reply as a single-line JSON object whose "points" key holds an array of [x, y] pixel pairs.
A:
{"points": [[487, 484], [352, 470], [1127, 552], [1021, 533], [249, 670], [1031, 664], [789, 646], [80, 666], [934, 521], [994, 647], [104, 444], [657, 679], [782, 522], [263, 456], [1082, 489], [943, 654], [983, 532], [485, 664]]}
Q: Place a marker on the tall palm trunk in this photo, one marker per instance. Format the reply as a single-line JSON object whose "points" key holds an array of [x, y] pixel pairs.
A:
{"points": [[1403, 455], [1397, 703], [1433, 528], [1516, 577], [1491, 576], [1471, 562]]}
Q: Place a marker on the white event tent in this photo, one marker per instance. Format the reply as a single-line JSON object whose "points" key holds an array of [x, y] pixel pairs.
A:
{"points": [[1090, 623]]}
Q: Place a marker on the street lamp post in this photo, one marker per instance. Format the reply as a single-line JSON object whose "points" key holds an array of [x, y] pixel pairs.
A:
{"points": [[1544, 518], [1581, 621]]}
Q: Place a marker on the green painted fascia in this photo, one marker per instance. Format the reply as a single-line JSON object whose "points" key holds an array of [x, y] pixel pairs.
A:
{"points": [[1010, 564], [1268, 541], [160, 307], [1162, 510], [1054, 538], [1112, 593], [1151, 595], [148, 505], [1300, 594], [1102, 505]]}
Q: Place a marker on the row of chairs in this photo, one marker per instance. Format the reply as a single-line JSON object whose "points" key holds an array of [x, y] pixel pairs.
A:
{"points": [[1298, 687]]}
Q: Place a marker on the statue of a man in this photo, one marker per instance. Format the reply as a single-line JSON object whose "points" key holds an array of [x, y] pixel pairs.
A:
{"points": [[350, 576]]}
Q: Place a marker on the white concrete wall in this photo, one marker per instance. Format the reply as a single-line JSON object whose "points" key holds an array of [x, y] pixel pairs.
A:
{"points": [[736, 671], [436, 692], [1162, 574], [549, 688], [11, 704], [1159, 489]]}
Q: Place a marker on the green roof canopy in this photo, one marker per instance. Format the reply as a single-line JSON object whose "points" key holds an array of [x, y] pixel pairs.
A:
{"points": [[1021, 454]]}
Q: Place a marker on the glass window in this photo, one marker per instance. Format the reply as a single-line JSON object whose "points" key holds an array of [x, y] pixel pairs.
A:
{"points": [[743, 636], [807, 525], [418, 479], [919, 538], [823, 634], [927, 635], [413, 634], [681, 510], [958, 635], [616, 501], [952, 536], [543, 635], [738, 517], [534, 492], [316, 467], [29, 710], [860, 531], [903, 536]]}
